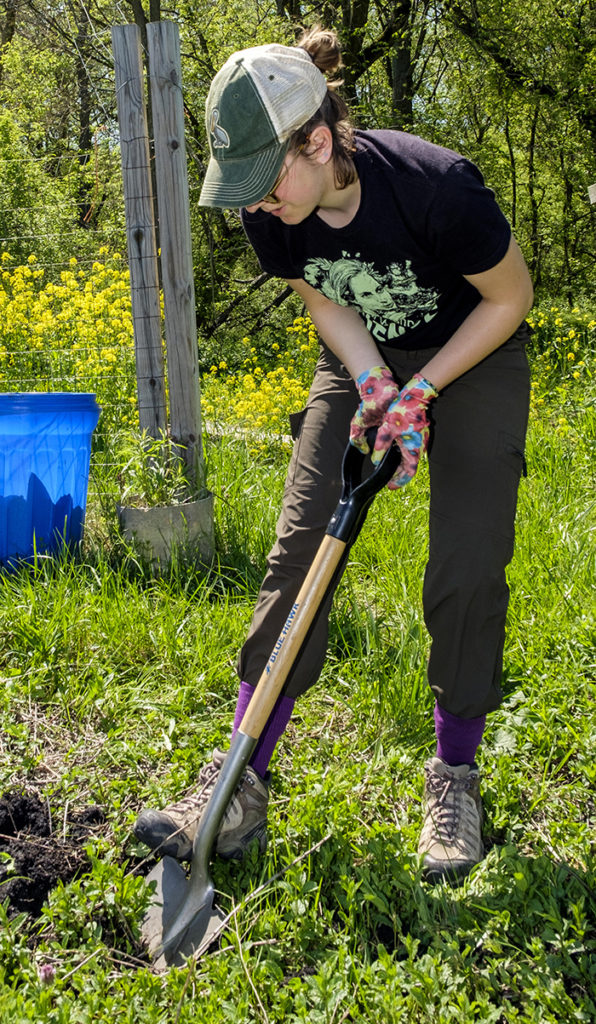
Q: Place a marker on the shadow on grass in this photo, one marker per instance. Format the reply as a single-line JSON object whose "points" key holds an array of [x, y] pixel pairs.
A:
{"points": [[185, 575]]}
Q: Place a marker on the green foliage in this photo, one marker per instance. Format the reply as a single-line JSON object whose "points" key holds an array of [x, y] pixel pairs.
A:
{"points": [[47, 185], [37, 85], [151, 471], [33, 203]]}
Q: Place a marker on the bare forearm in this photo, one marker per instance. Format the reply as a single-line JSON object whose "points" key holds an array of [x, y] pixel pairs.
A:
{"points": [[483, 331], [506, 297], [342, 329], [351, 343]]}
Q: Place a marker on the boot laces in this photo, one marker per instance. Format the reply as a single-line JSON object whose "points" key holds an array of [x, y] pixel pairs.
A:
{"points": [[197, 799], [445, 804]]}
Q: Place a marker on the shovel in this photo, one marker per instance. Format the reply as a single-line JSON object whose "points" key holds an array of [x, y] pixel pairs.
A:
{"points": [[182, 918]]}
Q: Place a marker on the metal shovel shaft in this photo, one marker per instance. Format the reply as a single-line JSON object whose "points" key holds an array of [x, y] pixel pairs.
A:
{"points": [[200, 885]]}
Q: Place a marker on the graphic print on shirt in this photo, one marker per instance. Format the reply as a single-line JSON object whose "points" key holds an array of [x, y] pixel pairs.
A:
{"points": [[391, 303]]}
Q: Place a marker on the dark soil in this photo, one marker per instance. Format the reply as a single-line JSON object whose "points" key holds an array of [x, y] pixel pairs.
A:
{"points": [[36, 853]]}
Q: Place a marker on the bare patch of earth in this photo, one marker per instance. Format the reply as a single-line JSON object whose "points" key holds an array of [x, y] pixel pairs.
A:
{"points": [[37, 853]]}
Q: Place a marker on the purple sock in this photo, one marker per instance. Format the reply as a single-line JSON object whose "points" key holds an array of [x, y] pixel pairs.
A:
{"points": [[275, 727], [458, 739]]}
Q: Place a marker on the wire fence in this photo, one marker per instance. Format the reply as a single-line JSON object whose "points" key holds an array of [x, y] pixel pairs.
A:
{"points": [[66, 320], [69, 329], [65, 305]]}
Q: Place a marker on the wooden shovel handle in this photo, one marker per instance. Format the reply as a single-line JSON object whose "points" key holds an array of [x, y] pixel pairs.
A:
{"points": [[292, 636]]}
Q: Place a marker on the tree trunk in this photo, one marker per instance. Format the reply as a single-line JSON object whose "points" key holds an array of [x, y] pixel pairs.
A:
{"points": [[567, 220], [402, 88], [7, 30], [10, 22], [535, 268], [354, 18], [85, 141], [513, 172]]}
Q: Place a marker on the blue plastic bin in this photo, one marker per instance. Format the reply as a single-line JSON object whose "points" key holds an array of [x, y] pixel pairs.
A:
{"points": [[45, 448]]}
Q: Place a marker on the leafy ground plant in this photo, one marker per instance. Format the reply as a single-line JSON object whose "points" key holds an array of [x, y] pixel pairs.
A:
{"points": [[117, 685]]}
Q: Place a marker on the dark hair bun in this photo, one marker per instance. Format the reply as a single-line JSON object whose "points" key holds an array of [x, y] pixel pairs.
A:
{"points": [[323, 47]]}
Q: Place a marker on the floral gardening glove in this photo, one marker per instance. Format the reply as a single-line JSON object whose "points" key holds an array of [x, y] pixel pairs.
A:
{"points": [[406, 423], [377, 390]]}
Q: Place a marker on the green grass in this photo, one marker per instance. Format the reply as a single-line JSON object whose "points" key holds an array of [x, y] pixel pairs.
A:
{"points": [[117, 685]]}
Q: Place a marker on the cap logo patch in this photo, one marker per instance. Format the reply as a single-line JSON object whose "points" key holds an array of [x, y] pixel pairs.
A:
{"points": [[221, 139]]}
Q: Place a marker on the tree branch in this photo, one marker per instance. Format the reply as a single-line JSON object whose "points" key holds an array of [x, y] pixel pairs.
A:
{"points": [[254, 285], [519, 76], [486, 41]]}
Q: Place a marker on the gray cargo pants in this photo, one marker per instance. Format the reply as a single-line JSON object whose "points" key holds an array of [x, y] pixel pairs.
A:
{"points": [[475, 462]]}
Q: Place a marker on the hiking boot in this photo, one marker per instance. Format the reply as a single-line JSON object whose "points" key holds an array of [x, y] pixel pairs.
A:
{"points": [[451, 839], [171, 832]]}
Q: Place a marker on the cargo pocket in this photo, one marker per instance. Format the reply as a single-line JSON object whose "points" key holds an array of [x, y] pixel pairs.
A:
{"points": [[296, 421], [511, 449]]}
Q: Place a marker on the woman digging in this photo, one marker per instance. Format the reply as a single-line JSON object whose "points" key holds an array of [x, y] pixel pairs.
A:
{"points": [[418, 290]]}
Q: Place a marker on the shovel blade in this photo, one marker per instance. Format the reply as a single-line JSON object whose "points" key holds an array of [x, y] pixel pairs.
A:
{"points": [[180, 922]]}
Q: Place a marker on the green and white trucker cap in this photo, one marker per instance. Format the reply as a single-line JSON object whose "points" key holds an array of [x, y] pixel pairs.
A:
{"points": [[256, 101]]}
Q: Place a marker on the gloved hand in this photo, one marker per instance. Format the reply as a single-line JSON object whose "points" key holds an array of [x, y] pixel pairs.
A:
{"points": [[406, 423], [377, 389]]}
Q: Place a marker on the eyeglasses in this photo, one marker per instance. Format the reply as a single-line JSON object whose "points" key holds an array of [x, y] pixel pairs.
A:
{"points": [[271, 196]]}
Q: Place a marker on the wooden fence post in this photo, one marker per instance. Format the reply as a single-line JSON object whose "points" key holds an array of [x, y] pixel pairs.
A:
{"points": [[140, 228], [165, 77]]}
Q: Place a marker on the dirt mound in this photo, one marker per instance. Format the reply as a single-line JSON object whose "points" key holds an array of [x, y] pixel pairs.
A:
{"points": [[34, 854]]}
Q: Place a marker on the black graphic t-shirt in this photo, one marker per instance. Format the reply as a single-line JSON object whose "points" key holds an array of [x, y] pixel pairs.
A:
{"points": [[425, 219]]}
